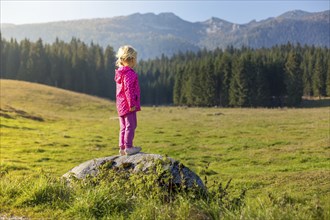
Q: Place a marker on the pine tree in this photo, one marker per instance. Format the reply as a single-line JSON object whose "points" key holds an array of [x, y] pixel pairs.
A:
{"points": [[67, 61], [94, 63], [177, 93], [319, 75], [260, 85], [12, 59], [186, 88], [3, 57], [109, 72], [308, 66], [328, 77], [24, 73], [196, 89], [207, 96], [192, 86], [238, 91], [223, 69], [38, 64], [56, 65], [293, 79], [103, 81]]}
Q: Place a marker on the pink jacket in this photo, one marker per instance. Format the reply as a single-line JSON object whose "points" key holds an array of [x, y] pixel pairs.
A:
{"points": [[127, 90]]}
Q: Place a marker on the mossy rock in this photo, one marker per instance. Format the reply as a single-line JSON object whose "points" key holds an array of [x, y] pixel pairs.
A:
{"points": [[141, 162]]}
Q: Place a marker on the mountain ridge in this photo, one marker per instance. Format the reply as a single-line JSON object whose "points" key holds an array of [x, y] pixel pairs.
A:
{"points": [[166, 33]]}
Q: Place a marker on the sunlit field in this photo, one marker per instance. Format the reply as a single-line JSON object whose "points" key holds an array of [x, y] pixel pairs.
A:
{"points": [[279, 156]]}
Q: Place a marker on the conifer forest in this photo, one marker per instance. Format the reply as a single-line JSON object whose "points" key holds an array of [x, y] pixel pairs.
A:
{"points": [[231, 77]]}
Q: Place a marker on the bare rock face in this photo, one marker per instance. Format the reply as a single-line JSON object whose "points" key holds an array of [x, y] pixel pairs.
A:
{"points": [[140, 162]]}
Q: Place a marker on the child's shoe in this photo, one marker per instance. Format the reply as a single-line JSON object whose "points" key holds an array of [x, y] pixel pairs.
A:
{"points": [[132, 150], [122, 152]]}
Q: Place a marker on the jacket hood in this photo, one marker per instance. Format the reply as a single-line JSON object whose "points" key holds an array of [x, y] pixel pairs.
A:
{"points": [[120, 72]]}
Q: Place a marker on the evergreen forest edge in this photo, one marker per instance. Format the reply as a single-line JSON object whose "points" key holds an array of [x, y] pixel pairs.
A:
{"points": [[231, 77]]}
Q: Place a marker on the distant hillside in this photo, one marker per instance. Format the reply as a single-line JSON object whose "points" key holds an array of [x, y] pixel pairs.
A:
{"points": [[166, 33]]}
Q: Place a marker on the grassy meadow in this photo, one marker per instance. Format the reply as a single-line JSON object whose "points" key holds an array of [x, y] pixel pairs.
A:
{"points": [[281, 156]]}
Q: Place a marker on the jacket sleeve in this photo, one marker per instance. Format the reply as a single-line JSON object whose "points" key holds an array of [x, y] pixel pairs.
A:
{"points": [[129, 82]]}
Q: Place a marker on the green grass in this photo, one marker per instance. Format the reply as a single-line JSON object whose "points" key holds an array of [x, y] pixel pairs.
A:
{"points": [[280, 156]]}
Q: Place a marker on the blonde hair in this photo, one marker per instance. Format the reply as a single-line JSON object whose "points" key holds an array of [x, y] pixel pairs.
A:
{"points": [[125, 53]]}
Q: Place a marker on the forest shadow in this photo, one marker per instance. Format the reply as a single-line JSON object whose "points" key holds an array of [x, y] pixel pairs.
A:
{"points": [[315, 103]]}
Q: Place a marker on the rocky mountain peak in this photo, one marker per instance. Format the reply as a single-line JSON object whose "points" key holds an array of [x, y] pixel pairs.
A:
{"points": [[295, 14], [166, 33]]}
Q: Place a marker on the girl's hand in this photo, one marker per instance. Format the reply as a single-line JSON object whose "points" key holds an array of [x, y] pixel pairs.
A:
{"points": [[132, 109]]}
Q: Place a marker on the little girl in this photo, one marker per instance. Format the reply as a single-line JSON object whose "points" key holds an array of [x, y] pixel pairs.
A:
{"points": [[127, 98]]}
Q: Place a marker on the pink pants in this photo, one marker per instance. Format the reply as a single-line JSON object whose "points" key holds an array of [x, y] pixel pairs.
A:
{"points": [[128, 124]]}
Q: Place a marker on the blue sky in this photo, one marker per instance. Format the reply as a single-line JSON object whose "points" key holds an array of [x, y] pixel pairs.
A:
{"points": [[236, 11]]}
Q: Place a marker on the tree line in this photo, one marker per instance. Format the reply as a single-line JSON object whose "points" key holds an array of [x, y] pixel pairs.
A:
{"points": [[243, 77], [74, 66]]}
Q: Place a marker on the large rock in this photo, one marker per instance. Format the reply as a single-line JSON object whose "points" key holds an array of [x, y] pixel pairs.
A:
{"points": [[140, 162]]}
